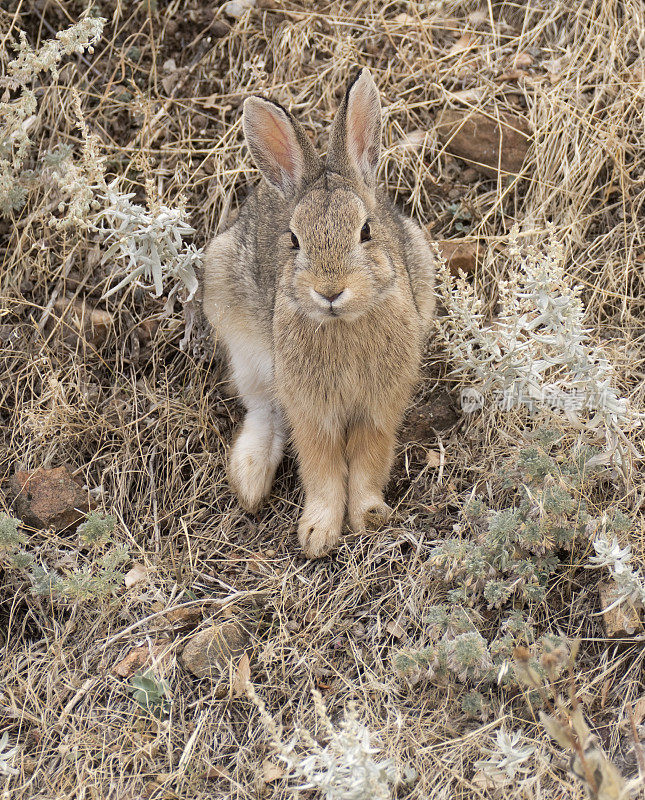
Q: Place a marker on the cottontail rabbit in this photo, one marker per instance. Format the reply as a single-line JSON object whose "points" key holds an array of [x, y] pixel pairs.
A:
{"points": [[322, 293]]}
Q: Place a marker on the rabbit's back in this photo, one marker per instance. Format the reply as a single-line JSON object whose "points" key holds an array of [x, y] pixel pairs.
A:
{"points": [[240, 268]]}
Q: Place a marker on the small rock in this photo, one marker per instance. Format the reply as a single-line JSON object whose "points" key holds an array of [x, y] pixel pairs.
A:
{"points": [[270, 771], [413, 140], [406, 19], [397, 630], [219, 29], [523, 60], [462, 43], [460, 254], [189, 615], [135, 575], [78, 320], [237, 8], [623, 619], [210, 652], [469, 96], [140, 657], [483, 142], [49, 497], [217, 772]]}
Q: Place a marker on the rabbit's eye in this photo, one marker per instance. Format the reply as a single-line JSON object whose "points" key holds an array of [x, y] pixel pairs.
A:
{"points": [[365, 233], [294, 241]]}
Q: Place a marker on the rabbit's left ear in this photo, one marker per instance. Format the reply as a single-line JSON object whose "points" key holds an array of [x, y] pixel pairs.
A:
{"points": [[279, 146], [355, 139]]}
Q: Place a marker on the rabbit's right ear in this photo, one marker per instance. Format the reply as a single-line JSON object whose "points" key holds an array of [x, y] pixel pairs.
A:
{"points": [[279, 146], [355, 138]]}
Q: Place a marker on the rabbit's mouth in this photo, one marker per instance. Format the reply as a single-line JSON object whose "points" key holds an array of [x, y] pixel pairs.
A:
{"points": [[333, 305], [330, 302]]}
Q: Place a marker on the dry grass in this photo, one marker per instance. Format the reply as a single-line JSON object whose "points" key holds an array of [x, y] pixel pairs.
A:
{"points": [[149, 423]]}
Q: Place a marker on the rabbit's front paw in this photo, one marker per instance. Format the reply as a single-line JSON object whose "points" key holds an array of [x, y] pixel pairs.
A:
{"points": [[367, 510], [319, 529]]}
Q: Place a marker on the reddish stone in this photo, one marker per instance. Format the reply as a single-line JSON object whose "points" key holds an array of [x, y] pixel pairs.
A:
{"points": [[485, 143], [48, 498], [460, 254]]}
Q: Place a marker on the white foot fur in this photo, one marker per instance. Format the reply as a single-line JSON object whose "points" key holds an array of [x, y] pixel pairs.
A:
{"points": [[319, 529], [254, 458], [369, 510]]}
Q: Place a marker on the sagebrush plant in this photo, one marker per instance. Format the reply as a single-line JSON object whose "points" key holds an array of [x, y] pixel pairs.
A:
{"points": [[508, 761], [496, 554], [628, 583], [96, 530], [11, 539], [17, 115], [345, 768], [538, 352], [458, 653], [78, 180], [457, 649], [148, 243], [99, 580], [7, 757]]}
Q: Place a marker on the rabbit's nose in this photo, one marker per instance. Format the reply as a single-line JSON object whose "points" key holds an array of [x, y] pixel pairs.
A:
{"points": [[331, 297]]}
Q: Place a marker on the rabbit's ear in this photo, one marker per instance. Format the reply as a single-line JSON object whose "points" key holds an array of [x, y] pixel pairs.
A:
{"points": [[278, 144], [355, 139]]}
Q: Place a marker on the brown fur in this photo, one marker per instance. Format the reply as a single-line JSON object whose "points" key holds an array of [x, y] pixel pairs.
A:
{"points": [[340, 374]]}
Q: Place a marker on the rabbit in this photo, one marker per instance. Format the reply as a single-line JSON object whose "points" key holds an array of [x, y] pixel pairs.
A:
{"points": [[322, 293]]}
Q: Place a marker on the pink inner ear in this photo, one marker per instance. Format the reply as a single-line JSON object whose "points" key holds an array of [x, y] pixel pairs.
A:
{"points": [[357, 127], [279, 141], [363, 128]]}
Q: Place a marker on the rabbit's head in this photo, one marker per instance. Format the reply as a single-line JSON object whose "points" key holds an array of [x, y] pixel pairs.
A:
{"points": [[334, 255]]}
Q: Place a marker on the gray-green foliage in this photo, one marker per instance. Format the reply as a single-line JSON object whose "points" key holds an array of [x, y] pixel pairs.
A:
{"points": [[345, 768], [96, 530], [11, 539], [539, 352], [98, 580], [17, 115], [147, 242], [511, 552], [628, 583], [151, 693], [506, 760], [458, 651], [7, 757]]}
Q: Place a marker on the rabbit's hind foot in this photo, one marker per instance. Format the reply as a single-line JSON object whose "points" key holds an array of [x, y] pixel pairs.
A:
{"points": [[255, 456]]}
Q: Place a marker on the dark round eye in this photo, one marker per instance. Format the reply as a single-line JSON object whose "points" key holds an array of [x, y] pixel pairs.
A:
{"points": [[365, 233], [294, 241]]}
